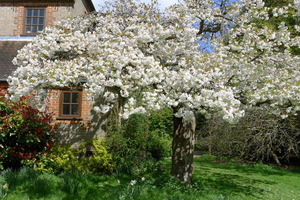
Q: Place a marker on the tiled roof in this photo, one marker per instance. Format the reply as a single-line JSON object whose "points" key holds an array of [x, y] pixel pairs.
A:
{"points": [[89, 3], [9, 50]]}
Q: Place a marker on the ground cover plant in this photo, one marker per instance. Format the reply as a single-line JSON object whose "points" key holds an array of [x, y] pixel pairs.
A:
{"points": [[215, 178]]}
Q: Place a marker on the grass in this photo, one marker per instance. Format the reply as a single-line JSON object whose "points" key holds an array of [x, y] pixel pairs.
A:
{"points": [[232, 180], [214, 179]]}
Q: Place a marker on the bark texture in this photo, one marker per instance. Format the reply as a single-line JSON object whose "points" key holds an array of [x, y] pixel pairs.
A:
{"points": [[183, 149]]}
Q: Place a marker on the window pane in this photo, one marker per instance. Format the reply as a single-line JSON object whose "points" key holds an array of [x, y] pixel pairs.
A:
{"points": [[42, 12], [29, 12], [40, 28], [35, 12], [34, 29], [75, 97], [66, 109], [28, 20], [35, 20], [28, 29], [41, 20], [74, 109], [67, 97]]}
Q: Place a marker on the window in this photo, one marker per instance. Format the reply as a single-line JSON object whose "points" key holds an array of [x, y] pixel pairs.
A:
{"points": [[70, 104], [34, 20]]}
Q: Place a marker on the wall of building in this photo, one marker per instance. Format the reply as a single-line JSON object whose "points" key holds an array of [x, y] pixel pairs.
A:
{"points": [[79, 8], [7, 24], [3, 85], [12, 17], [67, 11], [75, 131]]}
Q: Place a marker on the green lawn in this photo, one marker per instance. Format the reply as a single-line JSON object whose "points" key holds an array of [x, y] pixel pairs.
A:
{"points": [[214, 179], [243, 181]]}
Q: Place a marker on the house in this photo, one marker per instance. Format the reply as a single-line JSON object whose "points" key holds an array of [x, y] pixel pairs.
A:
{"points": [[20, 22]]}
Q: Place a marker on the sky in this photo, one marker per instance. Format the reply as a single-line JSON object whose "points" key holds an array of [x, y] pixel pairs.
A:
{"points": [[163, 3]]}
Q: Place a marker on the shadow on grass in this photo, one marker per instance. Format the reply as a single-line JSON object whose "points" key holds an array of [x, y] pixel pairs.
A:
{"points": [[248, 169], [229, 184], [234, 178]]}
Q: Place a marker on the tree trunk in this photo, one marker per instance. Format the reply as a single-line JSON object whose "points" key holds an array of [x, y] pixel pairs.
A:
{"points": [[183, 149], [120, 108], [210, 143]]}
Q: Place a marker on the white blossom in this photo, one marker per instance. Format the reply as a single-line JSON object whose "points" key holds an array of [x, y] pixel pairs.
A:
{"points": [[151, 60]]}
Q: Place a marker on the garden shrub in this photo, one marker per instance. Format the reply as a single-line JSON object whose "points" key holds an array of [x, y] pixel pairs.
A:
{"points": [[66, 158], [141, 141], [62, 158], [100, 161], [128, 143], [159, 146], [160, 133], [161, 121], [25, 133]]}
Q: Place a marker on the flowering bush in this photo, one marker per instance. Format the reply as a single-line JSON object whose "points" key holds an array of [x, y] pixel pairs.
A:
{"points": [[25, 133]]}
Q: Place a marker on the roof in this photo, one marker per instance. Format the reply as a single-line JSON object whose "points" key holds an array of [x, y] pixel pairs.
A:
{"points": [[9, 50], [88, 3]]}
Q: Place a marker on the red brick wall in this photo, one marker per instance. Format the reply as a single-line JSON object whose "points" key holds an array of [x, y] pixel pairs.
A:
{"points": [[53, 104], [3, 85], [75, 131], [20, 17]]}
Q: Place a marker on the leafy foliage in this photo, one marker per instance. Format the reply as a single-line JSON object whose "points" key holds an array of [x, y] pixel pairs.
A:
{"points": [[66, 158], [25, 133], [141, 141]]}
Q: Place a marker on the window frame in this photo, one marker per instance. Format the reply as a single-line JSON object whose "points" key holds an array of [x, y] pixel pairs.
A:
{"points": [[61, 103], [38, 17]]}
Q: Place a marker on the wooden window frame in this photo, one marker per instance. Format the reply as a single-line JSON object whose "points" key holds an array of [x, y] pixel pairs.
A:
{"points": [[38, 17], [61, 103]]}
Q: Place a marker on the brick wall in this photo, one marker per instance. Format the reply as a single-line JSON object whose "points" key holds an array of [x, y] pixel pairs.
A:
{"points": [[19, 20], [75, 131], [3, 85], [13, 20]]}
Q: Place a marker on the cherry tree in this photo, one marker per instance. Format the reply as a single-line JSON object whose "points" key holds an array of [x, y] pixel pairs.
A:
{"points": [[133, 56]]}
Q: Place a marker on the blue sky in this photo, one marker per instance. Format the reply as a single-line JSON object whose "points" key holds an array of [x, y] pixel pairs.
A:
{"points": [[163, 3]]}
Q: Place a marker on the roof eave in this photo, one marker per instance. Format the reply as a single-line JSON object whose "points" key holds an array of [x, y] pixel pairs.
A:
{"points": [[90, 5]]}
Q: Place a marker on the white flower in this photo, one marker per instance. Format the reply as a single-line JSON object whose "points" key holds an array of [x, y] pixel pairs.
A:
{"points": [[152, 61], [133, 182]]}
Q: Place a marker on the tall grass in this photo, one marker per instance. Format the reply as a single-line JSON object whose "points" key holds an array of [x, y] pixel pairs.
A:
{"points": [[215, 179]]}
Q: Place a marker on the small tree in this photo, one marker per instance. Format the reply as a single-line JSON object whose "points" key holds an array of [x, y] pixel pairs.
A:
{"points": [[25, 133]]}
